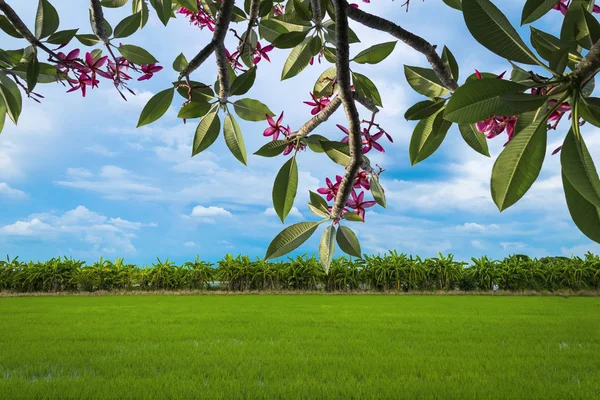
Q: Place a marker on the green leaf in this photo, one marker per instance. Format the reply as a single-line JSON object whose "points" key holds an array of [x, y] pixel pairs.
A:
{"points": [[424, 109], [324, 84], [33, 72], [128, 26], [454, 4], [113, 3], [88, 39], [316, 45], [289, 39], [243, 83], [141, 7], [491, 28], [352, 217], [163, 10], [588, 30], [297, 60], [62, 37], [585, 215], [519, 164], [348, 241], [535, 9], [319, 202], [578, 167], [301, 10], [364, 87], [519, 75], [156, 107], [314, 142], [427, 137], [290, 239], [284, 188], [12, 97], [589, 110], [136, 54], [476, 100], [234, 139], [318, 212], [450, 62], [8, 27], [424, 81], [46, 19], [377, 191], [337, 151], [327, 247], [200, 91], [272, 148], [180, 63], [375, 54], [195, 109], [252, 110], [550, 49], [207, 131], [475, 139], [271, 29], [47, 74], [189, 4], [3, 110], [330, 35], [573, 21]]}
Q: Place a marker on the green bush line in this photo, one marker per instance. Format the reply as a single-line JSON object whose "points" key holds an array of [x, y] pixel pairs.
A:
{"points": [[390, 272]]}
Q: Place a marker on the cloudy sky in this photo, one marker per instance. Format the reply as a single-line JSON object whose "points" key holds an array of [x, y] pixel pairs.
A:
{"points": [[77, 178]]}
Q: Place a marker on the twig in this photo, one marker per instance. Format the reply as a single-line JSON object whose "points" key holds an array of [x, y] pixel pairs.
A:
{"points": [[414, 41], [252, 18], [345, 93], [588, 66]]}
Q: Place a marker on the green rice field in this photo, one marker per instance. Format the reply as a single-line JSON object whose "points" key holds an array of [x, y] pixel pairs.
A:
{"points": [[300, 346]]}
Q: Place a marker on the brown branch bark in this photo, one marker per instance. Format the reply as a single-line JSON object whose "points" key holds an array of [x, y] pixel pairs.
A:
{"points": [[588, 66], [221, 27], [416, 42], [345, 93], [98, 20], [252, 18], [20, 26], [316, 11], [321, 117]]}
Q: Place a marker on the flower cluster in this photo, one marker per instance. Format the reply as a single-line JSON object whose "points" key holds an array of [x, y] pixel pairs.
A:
{"points": [[276, 128], [201, 19], [563, 6], [369, 140], [357, 199], [83, 74]]}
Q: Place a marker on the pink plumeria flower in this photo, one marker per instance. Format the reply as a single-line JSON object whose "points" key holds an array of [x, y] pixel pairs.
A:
{"points": [[149, 71], [233, 60], [562, 7], [68, 60], [261, 52], [201, 19], [362, 180], [358, 203], [331, 189], [93, 66], [370, 142], [318, 103], [557, 114], [83, 81], [275, 127], [278, 10]]}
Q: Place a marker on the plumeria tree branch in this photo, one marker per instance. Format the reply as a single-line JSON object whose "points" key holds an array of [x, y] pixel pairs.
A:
{"points": [[316, 11], [98, 20], [20, 26], [345, 93], [321, 117], [416, 42], [219, 34], [252, 19], [589, 65]]}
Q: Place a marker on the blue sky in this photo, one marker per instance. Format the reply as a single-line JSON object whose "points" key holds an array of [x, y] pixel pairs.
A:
{"points": [[77, 178]]}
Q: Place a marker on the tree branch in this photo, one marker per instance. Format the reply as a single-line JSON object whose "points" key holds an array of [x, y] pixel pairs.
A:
{"points": [[589, 65], [22, 28], [345, 93], [98, 20], [321, 117], [252, 18], [414, 41], [221, 27], [316, 11]]}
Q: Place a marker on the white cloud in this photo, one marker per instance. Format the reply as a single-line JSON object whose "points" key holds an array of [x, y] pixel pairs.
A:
{"points": [[474, 227], [209, 214], [7, 191], [78, 224], [190, 244]]}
